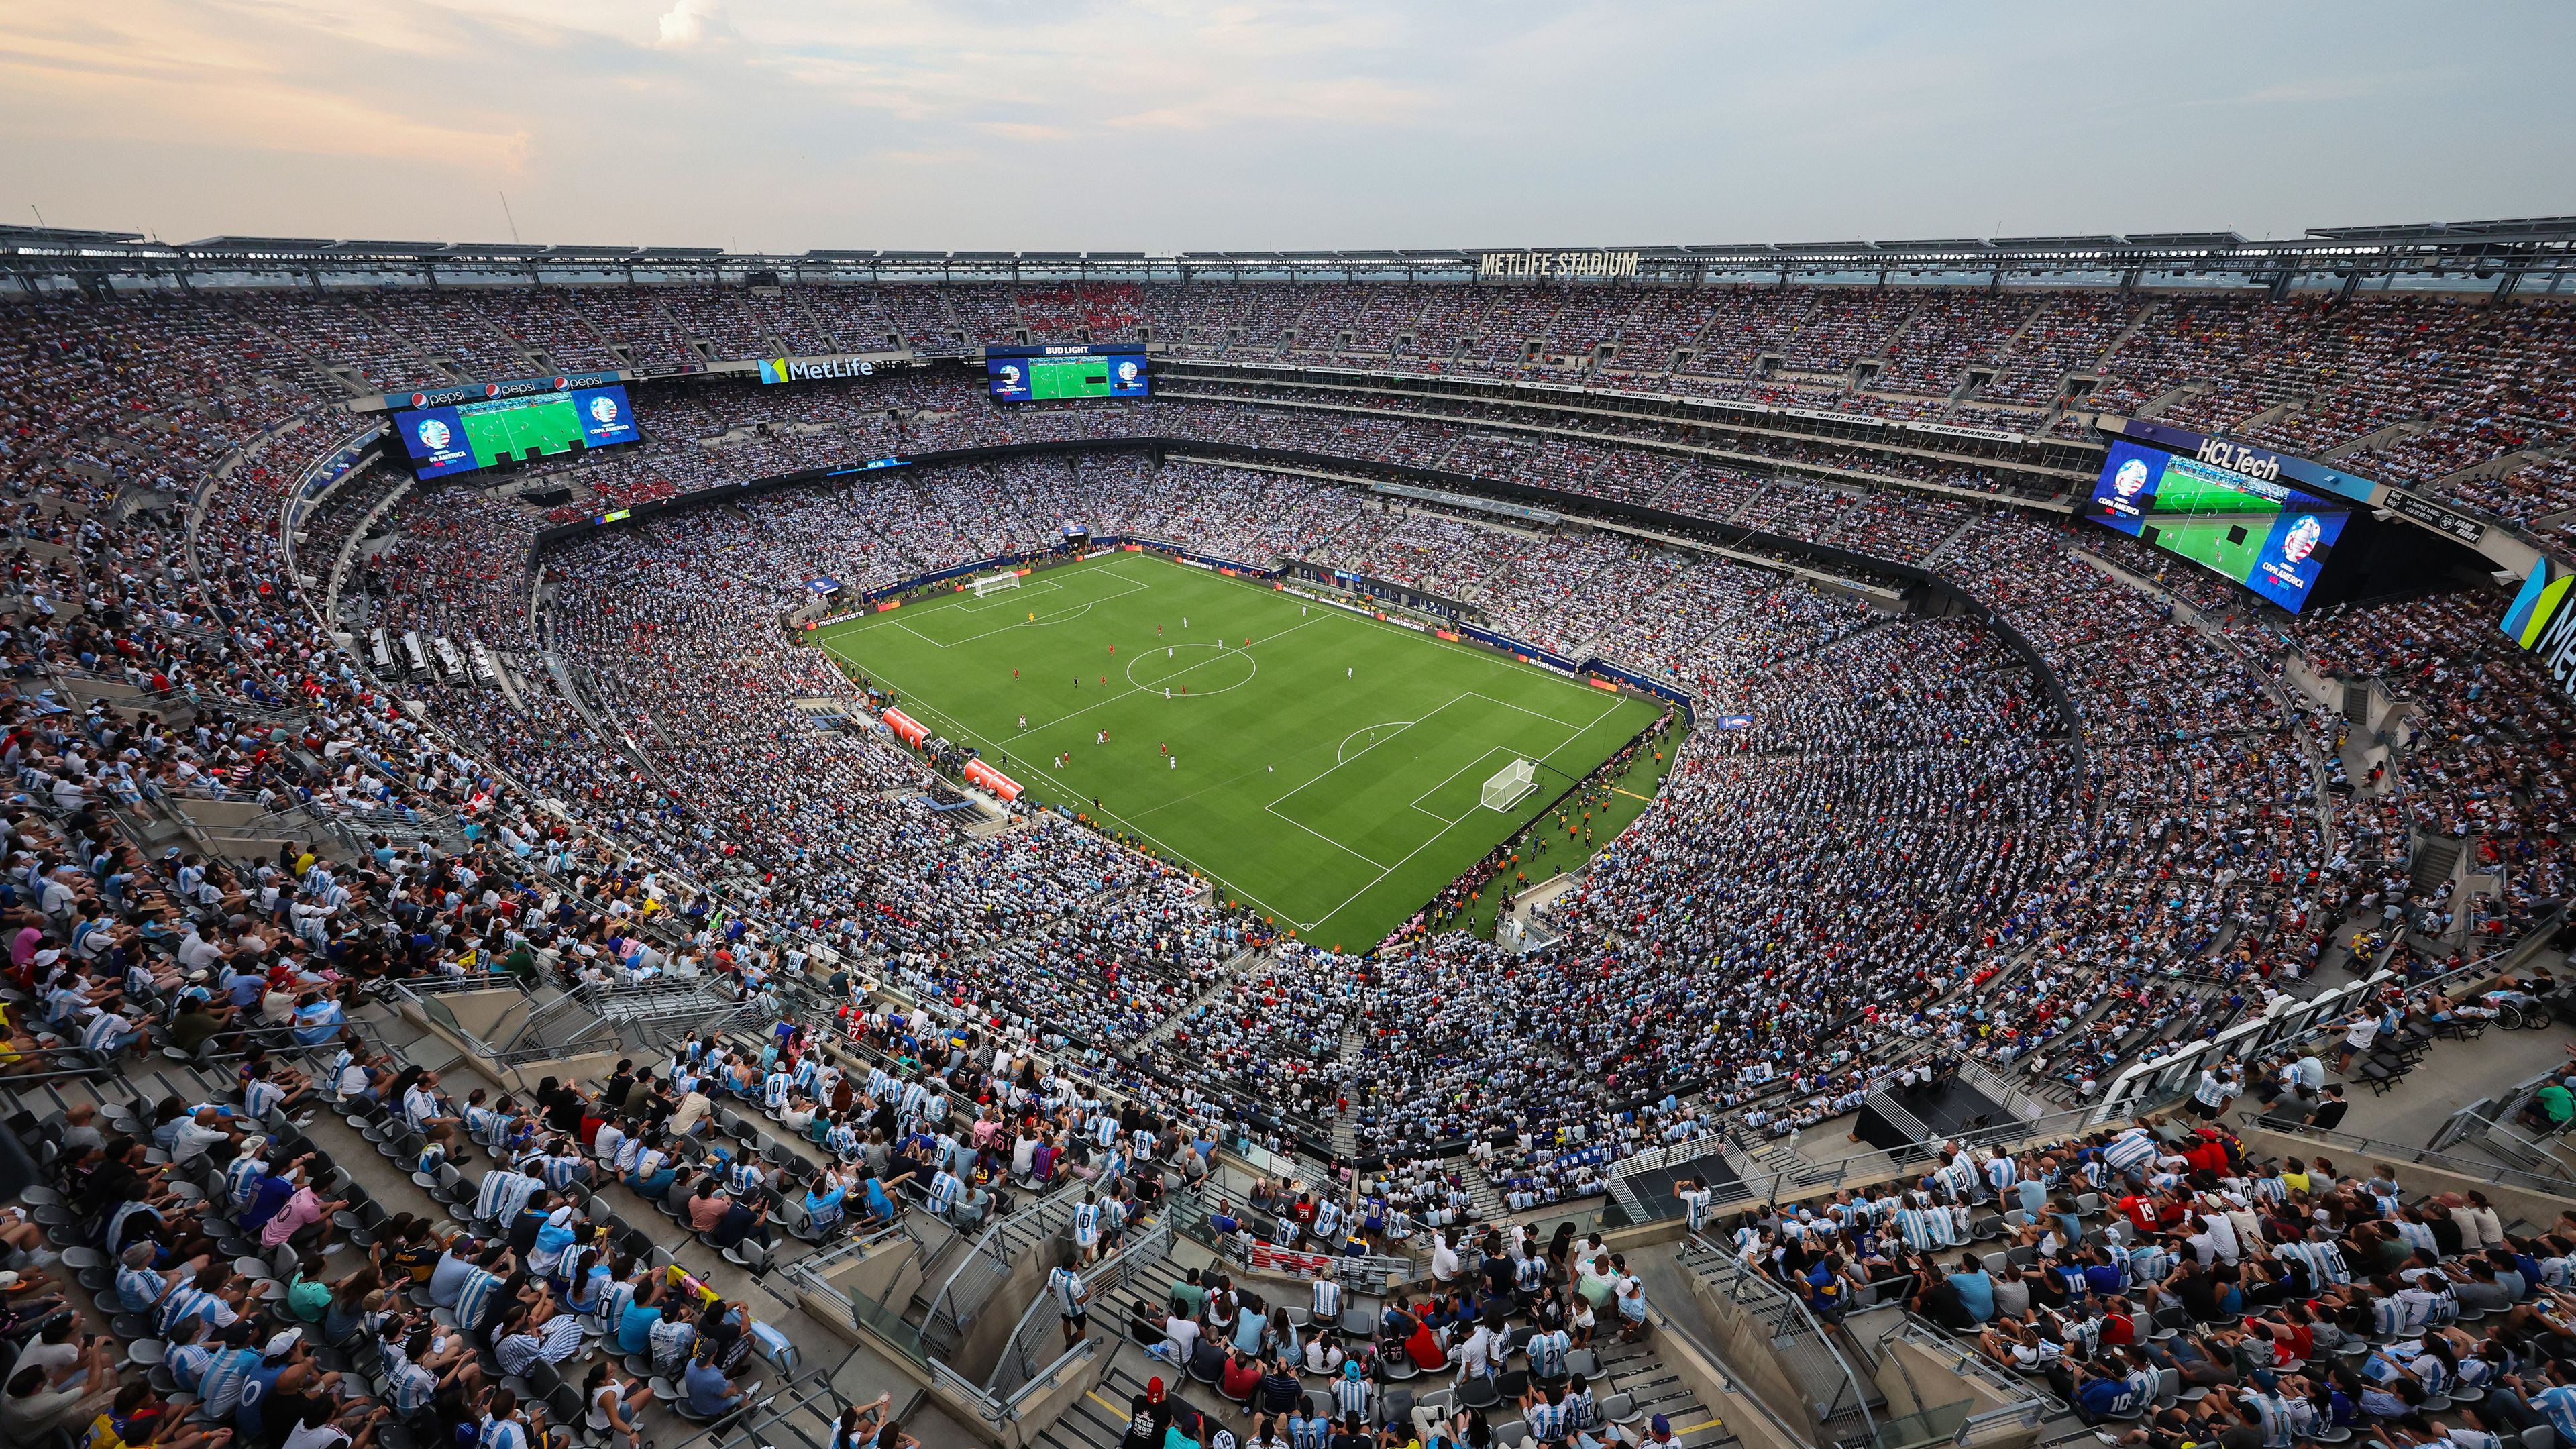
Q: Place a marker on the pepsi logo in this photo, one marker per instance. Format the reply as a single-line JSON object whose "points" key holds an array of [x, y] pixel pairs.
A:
{"points": [[420, 399], [491, 389]]}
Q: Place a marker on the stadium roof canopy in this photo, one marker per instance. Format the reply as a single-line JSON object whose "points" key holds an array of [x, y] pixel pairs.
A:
{"points": [[2516, 252], [2534, 227]]}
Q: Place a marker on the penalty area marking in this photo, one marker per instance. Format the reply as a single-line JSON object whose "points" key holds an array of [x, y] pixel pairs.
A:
{"points": [[1342, 756]]}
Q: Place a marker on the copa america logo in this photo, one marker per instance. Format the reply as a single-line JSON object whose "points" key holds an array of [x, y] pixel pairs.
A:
{"points": [[433, 433], [2131, 477], [604, 409], [2303, 538], [1126, 372]]}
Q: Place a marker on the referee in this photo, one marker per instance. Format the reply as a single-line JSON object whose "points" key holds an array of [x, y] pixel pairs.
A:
{"points": [[1072, 1301]]}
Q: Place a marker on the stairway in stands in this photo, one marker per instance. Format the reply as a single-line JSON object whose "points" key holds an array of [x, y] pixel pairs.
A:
{"points": [[1098, 1420], [1838, 1392], [2435, 859]]}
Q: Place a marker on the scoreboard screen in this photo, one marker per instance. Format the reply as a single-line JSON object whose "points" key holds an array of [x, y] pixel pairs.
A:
{"points": [[2272, 539], [467, 436], [1037, 374]]}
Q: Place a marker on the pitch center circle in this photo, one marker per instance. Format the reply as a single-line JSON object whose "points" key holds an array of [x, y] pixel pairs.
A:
{"points": [[1204, 668]]}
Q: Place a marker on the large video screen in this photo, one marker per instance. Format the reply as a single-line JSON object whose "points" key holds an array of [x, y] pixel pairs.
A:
{"points": [[475, 435], [2273, 540], [1037, 374]]}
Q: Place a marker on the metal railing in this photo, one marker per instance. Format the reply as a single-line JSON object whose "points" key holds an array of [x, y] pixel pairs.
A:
{"points": [[1811, 1178], [1369, 1273], [2292, 1023], [2502, 1174], [1668, 1329], [1801, 1346], [1956, 1423], [811, 1274], [423, 993], [1021, 1368], [971, 1284]]}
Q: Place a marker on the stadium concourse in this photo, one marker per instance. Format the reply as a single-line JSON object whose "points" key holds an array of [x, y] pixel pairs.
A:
{"points": [[2074, 807]]}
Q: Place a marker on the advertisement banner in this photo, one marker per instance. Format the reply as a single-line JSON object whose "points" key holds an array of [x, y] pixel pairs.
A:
{"points": [[979, 773], [512, 387], [2252, 461], [2541, 622], [814, 369]]}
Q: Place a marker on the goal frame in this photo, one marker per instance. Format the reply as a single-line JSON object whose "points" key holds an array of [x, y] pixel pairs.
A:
{"points": [[992, 584], [1510, 785]]}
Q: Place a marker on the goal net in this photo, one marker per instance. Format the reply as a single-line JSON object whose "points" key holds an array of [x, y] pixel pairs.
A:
{"points": [[995, 583], [1513, 782]]}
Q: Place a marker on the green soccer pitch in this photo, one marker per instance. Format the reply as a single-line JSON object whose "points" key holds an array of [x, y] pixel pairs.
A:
{"points": [[2203, 539], [1330, 773]]}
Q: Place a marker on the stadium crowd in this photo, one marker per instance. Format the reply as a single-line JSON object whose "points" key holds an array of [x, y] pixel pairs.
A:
{"points": [[2070, 880]]}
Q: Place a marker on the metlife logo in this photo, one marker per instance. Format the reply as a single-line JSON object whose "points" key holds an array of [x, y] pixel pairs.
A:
{"points": [[2540, 622], [814, 369]]}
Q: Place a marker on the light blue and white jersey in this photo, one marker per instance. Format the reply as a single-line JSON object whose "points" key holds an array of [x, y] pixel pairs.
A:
{"points": [[1066, 1285], [138, 1288], [262, 1097]]}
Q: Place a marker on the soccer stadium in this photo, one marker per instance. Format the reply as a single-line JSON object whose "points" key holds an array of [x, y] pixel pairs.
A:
{"points": [[1871, 844]]}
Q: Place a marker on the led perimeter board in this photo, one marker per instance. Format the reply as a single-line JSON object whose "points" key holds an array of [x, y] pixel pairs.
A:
{"points": [[2272, 539], [1035, 374], [473, 435]]}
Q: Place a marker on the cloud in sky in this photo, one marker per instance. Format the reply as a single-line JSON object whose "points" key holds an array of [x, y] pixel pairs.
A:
{"points": [[1174, 124], [686, 22]]}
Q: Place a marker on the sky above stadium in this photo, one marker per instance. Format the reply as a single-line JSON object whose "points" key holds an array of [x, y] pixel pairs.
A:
{"points": [[1207, 124]]}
